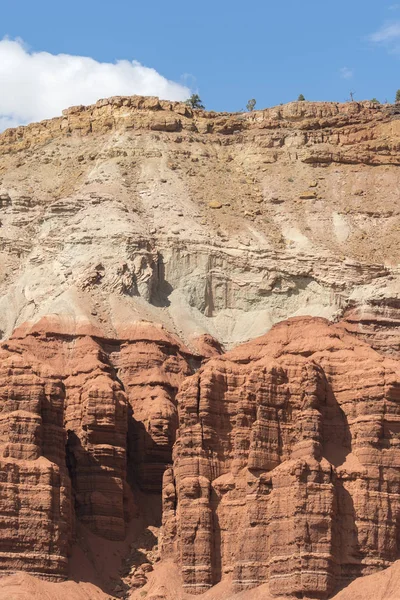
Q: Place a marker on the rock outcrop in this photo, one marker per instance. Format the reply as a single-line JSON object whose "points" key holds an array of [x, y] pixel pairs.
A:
{"points": [[285, 470], [72, 407], [286, 466], [351, 120], [212, 224], [139, 240], [35, 490], [378, 324]]}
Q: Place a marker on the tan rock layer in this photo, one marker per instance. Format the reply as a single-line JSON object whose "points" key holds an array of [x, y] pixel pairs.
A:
{"points": [[108, 217], [348, 133]]}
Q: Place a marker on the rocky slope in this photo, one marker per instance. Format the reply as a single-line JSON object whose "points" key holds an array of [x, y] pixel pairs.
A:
{"points": [[208, 223], [138, 240]]}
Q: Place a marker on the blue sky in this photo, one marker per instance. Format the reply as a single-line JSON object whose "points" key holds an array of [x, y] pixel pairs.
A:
{"points": [[227, 51]]}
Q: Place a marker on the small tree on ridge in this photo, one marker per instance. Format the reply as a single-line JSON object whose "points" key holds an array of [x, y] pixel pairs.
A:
{"points": [[251, 105], [194, 101]]}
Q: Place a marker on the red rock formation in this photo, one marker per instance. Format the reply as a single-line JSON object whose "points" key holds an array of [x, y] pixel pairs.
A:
{"points": [[151, 364], [65, 418], [96, 423], [376, 324], [207, 346], [286, 466], [35, 490]]}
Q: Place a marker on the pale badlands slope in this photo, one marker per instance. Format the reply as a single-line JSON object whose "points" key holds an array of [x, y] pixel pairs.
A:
{"points": [[108, 216]]}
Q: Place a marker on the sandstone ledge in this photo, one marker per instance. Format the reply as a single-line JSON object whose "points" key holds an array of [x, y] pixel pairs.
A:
{"points": [[371, 126]]}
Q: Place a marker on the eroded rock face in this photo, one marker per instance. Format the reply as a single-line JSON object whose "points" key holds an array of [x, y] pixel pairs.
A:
{"points": [[73, 406], [286, 466], [136, 211], [35, 490], [151, 369], [378, 324], [211, 223], [285, 470]]}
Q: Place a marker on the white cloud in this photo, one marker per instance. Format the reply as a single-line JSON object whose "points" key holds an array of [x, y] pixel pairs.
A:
{"points": [[346, 73], [387, 33], [39, 85], [388, 36]]}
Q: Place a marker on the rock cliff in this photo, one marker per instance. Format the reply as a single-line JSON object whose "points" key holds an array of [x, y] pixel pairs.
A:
{"points": [[212, 224], [74, 407], [138, 241], [286, 465]]}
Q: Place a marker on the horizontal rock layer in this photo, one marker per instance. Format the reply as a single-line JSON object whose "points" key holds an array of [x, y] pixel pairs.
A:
{"points": [[327, 123], [378, 324], [212, 224]]}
